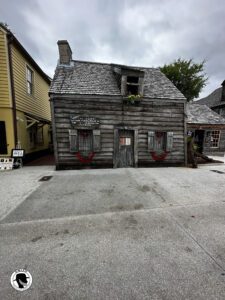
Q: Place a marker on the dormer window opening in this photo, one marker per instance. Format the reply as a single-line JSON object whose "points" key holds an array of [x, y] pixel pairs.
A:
{"points": [[132, 85]]}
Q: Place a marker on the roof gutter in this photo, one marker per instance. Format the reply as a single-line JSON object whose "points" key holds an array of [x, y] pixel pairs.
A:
{"points": [[9, 43]]}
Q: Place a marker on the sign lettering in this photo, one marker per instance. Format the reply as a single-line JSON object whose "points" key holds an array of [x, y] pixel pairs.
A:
{"points": [[6, 163], [84, 121], [18, 153]]}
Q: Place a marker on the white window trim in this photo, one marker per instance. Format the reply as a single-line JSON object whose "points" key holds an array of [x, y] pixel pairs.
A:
{"points": [[218, 143], [33, 77]]}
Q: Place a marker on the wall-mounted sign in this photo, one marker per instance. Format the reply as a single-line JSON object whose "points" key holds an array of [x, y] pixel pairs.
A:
{"points": [[6, 163], [84, 121], [125, 141], [18, 153]]}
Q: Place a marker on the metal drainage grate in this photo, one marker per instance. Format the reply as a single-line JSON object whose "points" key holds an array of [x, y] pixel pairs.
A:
{"points": [[216, 171], [45, 178]]}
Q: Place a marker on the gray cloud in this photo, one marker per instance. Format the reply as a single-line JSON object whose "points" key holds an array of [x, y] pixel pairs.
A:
{"points": [[144, 32]]}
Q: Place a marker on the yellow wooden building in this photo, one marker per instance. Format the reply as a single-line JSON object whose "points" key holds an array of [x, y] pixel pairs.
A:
{"points": [[25, 117]]}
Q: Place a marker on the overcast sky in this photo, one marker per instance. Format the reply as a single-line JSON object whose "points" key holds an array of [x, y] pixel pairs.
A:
{"points": [[147, 33]]}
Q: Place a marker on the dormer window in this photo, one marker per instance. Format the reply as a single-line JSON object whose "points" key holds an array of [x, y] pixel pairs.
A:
{"points": [[130, 80], [132, 85]]}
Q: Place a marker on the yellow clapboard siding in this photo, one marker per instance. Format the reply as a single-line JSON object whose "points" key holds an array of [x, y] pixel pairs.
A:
{"points": [[5, 100], [38, 103]]}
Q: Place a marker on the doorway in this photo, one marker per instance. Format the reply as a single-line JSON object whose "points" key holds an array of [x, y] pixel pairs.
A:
{"points": [[199, 139], [3, 140], [126, 148]]}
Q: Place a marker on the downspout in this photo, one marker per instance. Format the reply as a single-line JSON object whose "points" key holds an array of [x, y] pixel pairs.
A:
{"points": [[9, 42], [185, 134]]}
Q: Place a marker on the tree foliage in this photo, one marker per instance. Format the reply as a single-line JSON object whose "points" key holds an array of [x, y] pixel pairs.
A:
{"points": [[187, 76]]}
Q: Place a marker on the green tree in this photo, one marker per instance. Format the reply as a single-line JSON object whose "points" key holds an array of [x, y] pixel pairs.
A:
{"points": [[187, 76]]}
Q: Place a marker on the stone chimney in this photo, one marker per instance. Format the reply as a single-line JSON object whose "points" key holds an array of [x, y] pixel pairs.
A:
{"points": [[223, 91], [65, 52]]}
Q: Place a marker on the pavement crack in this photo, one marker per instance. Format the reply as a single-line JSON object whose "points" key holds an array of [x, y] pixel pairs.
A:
{"points": [[158, 194], [195, 240]]}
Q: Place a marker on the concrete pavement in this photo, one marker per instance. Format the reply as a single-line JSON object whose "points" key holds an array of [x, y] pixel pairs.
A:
{"points": [[16, 185], [118, 234]]}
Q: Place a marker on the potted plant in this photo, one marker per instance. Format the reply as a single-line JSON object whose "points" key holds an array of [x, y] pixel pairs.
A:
{"points": [[133, 99]]}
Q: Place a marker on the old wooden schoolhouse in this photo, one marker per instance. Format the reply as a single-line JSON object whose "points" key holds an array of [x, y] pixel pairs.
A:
{"points": [[110, 115]]}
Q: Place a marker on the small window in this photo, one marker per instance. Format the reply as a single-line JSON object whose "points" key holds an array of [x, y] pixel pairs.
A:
{"points": [[85, 140], [36, 136], [33, 136], [160, 140], [40, 136], [214, 139], [132, 85], [29, 81]]}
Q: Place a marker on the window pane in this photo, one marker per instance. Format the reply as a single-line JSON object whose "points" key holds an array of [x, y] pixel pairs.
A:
{"points": [[160, 140], [132, 89], [29, 80], [40, 138], [29, 88], [132, 79], [85, 140], [29, 75], [215, 137]]}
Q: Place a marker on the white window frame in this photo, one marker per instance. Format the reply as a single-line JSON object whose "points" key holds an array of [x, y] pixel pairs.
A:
{"points": [[218, 139], [29, 84]]}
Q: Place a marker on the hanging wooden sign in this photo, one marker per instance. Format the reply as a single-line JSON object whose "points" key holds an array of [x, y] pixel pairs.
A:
{"points": [[84, 121]]}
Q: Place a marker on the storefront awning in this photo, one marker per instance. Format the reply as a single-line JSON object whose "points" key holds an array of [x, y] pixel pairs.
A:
{"points": [[32, 120]]}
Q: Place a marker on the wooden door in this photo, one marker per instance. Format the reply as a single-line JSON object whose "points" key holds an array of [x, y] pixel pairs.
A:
{"points": [[126, 148], [3, 141]]}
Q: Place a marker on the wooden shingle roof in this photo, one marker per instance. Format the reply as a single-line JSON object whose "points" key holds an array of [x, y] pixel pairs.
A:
{"points": [[202, 114], [214, 99], [90, 78]]}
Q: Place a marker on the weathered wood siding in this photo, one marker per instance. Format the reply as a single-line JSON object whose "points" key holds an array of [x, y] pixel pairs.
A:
{"points": [[149, 115]]}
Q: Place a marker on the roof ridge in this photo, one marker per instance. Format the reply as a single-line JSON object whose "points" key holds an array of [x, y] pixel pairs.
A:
{"points": [[113, 64], [213, 92]]}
